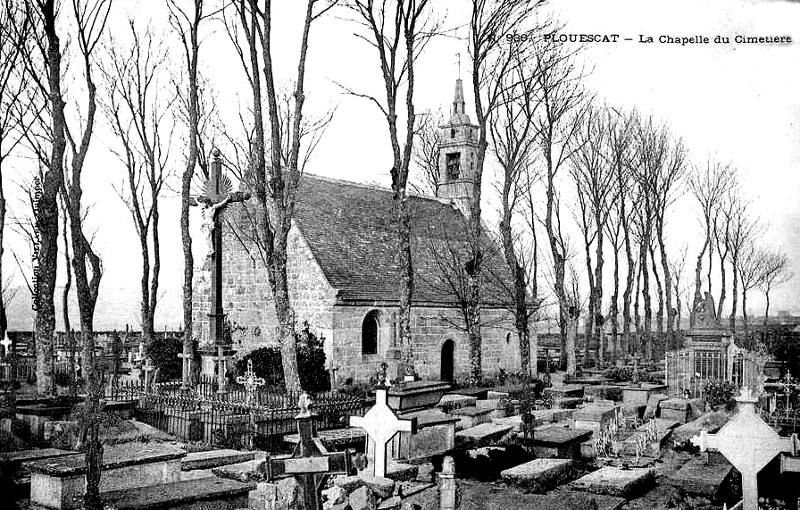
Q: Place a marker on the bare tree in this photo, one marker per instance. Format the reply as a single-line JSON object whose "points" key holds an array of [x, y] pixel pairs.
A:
{"points": [[562, 106], [135, 74], [15, 25], [490, 22], [425, 154], [620, 152], [186, 23], [752, 261], [595, 185], [514, 144], [743, 229], [275, 166], [709, 186], [399, 31], [774, 274], [677, 268]]}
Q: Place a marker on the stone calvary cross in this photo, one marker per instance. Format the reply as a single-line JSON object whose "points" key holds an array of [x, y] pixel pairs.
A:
{"points": [[381, 424], [748, 443], [310, 463], [218, 193]]}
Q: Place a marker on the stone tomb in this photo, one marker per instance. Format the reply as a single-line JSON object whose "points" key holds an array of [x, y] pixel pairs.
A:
{"points": [[565, 391], [701, 478], [675, 409], [482, 435], [625, 483], [60, 483], [201, 494], [559, 442], [470, 417], [594, 417], [436, 434], [453, 401], [539, 475], [604, 391], [641, 393]]}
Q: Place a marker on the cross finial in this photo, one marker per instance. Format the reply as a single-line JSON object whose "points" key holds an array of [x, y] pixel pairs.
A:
{"points": [[458, 57]]}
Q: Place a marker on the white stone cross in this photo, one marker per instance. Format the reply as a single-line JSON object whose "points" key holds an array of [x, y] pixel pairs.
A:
{"points": [[186, 369], [6, 343], [250, 381], [748, 443], [381, 424], [147, 368]]}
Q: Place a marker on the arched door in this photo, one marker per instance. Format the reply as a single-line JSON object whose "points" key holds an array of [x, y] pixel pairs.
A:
{"points": [[448, 348]]}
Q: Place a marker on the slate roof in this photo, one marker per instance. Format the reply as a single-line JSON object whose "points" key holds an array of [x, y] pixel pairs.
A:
{"points": [[349, 229]]}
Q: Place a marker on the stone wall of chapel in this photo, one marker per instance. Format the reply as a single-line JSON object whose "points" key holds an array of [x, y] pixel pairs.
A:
{"points": [[246, 294], [430, 328]]}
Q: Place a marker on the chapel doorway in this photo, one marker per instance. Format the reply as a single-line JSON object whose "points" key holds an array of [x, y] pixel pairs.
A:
{"points": [[448, 349]]}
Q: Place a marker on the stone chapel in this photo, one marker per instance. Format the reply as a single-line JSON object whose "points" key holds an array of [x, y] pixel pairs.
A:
{"points": [[341, 266]]}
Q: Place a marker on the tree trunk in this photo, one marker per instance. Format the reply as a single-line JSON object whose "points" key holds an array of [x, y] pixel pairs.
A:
{"points": [[734, 303], [659, 337], [588, 325], [598, 289], [667, 278], [744, 311], [648, 311], [613, 310], [766, 308], [406, 281], [46, 211], [698, 268]]}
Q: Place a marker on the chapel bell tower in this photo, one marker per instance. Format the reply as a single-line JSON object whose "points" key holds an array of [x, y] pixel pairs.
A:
{"points": [[458, 153]]}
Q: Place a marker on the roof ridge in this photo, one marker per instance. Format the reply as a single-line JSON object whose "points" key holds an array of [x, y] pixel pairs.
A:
{"points": [[371, 186]]}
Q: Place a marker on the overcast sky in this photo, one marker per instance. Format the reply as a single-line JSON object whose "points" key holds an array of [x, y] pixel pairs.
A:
{"points": [[733, 102]]}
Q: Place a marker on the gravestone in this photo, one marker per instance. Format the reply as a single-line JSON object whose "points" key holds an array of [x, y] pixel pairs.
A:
{"points": [[310, 463], [436, 434], [251, 382], [748, 443], [539, 475], [381, 424], [615, 481], [559, 442], [595, 417]]}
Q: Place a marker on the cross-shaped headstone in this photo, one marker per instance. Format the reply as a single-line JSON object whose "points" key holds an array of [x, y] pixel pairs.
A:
{"points": [[786, 384], [6, 343], [147, 368], [748, 443], [310, 463], [250, 382], [381, 424], [186, 370]]}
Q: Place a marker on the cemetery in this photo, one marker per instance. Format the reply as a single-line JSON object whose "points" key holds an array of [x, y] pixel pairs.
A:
{"points": [[544, 302]]}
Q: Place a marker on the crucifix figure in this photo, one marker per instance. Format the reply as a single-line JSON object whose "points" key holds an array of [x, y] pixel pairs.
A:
{"points": [[310, 463], [381, 424], [748, 443], [218, 194]]}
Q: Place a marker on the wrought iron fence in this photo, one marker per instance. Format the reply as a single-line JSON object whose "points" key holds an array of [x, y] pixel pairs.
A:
{"points": [[686, 371], [232, 424]]}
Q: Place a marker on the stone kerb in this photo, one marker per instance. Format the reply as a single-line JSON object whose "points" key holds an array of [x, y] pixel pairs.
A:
{"points": [[615, 481]]}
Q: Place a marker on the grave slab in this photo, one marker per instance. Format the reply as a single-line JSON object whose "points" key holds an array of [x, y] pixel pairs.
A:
{"points": [[214, 458], [652, 407], [496, 406], [559, 442], [566, 390], [203, 494], [594, 417], [335, 439], [515, 422], [470, 417], [21, 456], [604, 391], [436, 433], [553, 415], [641, 394], [453, 401], [60, 482], [481, 435], [492, 394], [625, 483], [711, 422], [702, 479], [399, 471], [248, 471], [539, 475], [567, 402]]}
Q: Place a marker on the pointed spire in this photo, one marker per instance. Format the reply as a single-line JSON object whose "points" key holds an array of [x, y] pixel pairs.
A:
{"points": [[459, 114], [458, 101]]}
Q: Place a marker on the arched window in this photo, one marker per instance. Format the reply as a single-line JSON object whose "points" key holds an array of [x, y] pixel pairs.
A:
{"points": [[369, 333]]}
